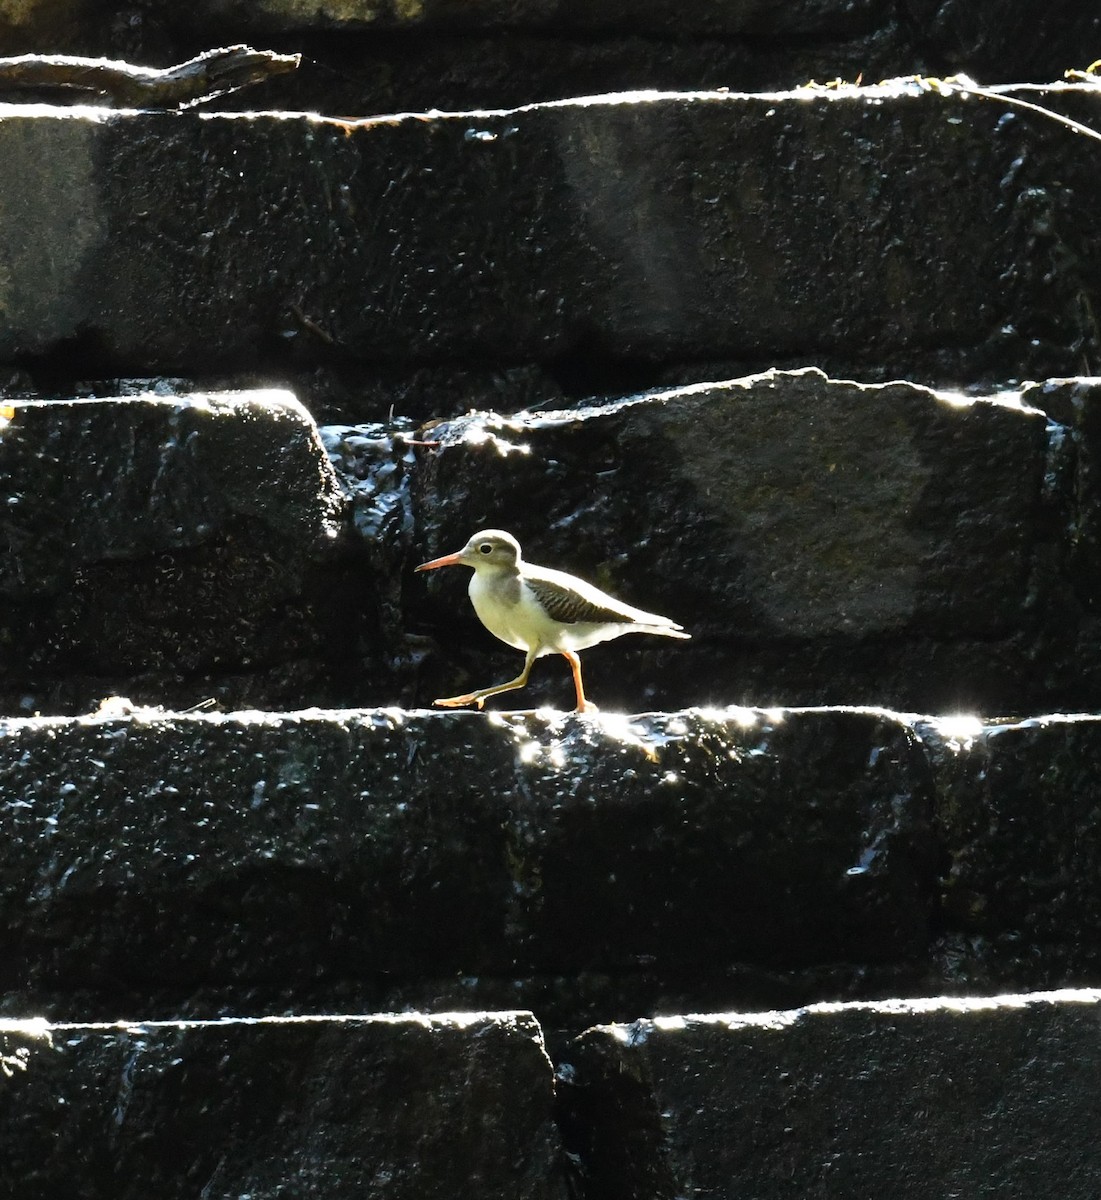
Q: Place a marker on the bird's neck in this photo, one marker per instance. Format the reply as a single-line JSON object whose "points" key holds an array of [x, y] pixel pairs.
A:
{"points": [[497, 571], [500, 583]]}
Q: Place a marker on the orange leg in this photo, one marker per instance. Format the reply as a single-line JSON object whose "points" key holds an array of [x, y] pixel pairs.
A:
{"points": [[479, 697], [583, 705]]}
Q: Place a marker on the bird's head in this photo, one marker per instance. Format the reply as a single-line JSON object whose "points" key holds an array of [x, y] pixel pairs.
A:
{"points": [[491, 549]]}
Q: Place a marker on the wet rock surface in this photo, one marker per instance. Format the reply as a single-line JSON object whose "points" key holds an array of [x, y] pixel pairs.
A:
{"points": [[154, 859], [183, 546], [939, 1097], [424, 1108], [460, 237], [819, 539], [374, 57], [129, 476], [186, 865], [531, 254], [1018, 822]]}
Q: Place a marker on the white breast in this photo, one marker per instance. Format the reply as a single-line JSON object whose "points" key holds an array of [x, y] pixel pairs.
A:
{"points": [[510, 612], [498, 611]]}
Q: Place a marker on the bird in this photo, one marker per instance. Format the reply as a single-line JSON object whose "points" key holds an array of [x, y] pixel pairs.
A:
{"points": [[540, 611]]}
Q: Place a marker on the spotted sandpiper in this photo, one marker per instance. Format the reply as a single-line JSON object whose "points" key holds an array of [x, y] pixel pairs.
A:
{"points": [[540, 611]]}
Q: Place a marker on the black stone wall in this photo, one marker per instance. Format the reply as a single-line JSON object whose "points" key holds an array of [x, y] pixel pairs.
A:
{"points": [[813, 369]]}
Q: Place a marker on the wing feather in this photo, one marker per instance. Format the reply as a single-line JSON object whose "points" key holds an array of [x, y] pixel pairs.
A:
{"points": [[570, 607]]}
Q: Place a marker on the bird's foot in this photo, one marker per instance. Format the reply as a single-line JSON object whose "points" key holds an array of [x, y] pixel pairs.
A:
{"points": [[586, 706], [461, 701]]}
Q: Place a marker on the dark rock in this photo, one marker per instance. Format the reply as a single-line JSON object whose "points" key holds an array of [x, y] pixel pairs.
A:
{"points": [[940, 1097], [1076, 404], [162, 538], [369, 393], [839, 17], [987, 40], [155, 856], [818, 538], [335, 1107], [130, 477], [763, 227], [374, 57], [349, 73], [1019, 817]]}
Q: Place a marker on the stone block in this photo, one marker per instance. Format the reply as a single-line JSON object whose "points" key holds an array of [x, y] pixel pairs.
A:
{"points": [[761, 226], [1017, 815], [159, 537], [150, 857], [126, 477], [928, 1098], [411, 1107], [806, 531]]}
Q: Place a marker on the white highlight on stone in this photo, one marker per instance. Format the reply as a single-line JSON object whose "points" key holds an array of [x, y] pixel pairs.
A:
{"points": [[959, 731], [784, 1018]]}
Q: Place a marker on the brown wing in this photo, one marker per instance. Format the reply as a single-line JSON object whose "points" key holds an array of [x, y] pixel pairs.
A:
{"points": [[562, 604]]}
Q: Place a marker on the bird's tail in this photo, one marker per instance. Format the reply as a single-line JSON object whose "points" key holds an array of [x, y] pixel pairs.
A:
{"points": [[674, 631]]}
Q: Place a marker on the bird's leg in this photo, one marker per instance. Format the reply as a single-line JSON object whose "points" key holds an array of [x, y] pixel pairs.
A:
{"points": [[479, 697], [583, 705]]}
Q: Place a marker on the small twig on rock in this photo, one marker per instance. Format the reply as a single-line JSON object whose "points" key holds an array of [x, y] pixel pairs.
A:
{"points": [[963, 85], [123, 85], [311, 326]]}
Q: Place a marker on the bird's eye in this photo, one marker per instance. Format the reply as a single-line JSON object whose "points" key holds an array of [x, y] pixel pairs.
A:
{"points": [[485, 548]]}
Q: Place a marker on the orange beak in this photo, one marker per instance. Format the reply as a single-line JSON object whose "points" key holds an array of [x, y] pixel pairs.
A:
{"points": [[448, 560]]}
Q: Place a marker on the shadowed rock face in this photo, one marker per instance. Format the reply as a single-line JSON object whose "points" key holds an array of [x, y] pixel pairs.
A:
{"points": [[180, 864], [819, 539], [339, 1107], [1019, 826], [939, 1097], [760, 227], [370, 56], [169, 854], [165, 540]]}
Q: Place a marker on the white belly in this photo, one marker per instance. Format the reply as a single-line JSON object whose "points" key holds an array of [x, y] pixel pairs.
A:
{"points": [[520, 622], [518, 619]]}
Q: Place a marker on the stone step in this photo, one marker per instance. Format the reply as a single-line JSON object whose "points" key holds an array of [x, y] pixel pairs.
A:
{"points": [[180, 540], [826, 225], [924, 1098], [940, 1096], [129, 476], [821, 540], [174, 864], [397, 57], [411, 1107]]}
